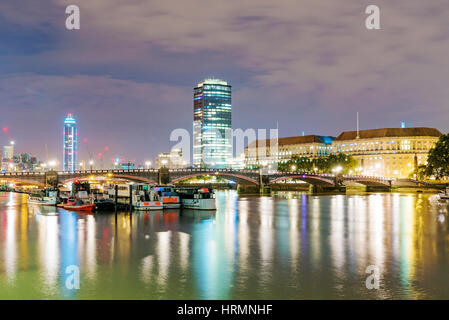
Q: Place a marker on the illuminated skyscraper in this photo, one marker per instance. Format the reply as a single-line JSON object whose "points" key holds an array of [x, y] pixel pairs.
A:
{"points": [[70, 144], [212, 124]]}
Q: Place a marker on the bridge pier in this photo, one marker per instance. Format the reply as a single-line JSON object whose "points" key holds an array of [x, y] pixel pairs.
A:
{"points": [[378, 188], [164, 176], [314, 189]]}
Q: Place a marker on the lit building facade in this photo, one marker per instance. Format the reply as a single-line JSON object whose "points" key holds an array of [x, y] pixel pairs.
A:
{"points": [[7, 158], [8, 152], [170, 160], [265, 152], [391, 152], [70, 150], [212, 124]]}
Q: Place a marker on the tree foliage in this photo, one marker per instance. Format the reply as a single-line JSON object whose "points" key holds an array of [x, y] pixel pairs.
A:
{"points": [[438, 159], [323, 164]]}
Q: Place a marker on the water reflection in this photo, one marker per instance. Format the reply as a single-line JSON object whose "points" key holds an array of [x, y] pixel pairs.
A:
{"points": [[290, 245]]}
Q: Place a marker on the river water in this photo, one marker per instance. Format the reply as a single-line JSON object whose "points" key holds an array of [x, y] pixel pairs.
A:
{"points": [[284, 246]]}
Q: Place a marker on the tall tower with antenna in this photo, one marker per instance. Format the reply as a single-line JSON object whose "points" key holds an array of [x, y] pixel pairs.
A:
{"points": [[70, 142]]}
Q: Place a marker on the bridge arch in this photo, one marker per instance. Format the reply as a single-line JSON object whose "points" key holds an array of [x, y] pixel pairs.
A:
{"points": [[24, 181], [120, 176], [306, 178], [229, 175]]}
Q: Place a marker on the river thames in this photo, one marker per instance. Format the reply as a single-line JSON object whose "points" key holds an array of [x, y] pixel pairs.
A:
{"points": [[285, 246]]}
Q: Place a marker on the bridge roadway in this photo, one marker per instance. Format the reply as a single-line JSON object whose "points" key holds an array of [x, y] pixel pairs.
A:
{"points": [[173, 176]]}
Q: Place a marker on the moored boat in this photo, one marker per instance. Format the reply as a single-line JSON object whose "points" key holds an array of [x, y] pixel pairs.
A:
{"points": [[197, 198], [45, 197], [144, 198], [169, 197], [78, 205], [445, 194]]}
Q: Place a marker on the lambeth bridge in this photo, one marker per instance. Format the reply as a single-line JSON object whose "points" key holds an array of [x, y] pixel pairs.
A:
{"points": [[177, 176]]}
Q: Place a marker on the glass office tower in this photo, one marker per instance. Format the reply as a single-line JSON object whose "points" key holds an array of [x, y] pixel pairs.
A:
{"points": [[212, 124], [69, 144]]}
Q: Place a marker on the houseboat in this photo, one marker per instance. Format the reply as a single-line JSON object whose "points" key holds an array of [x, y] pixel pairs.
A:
{"points": [[169, 197], [445, 194], [197, 198], [45, 197], [144, 198]]}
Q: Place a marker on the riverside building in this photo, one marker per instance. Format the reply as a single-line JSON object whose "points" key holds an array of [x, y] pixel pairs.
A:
{"points": [[391, 152], [265, 152]]}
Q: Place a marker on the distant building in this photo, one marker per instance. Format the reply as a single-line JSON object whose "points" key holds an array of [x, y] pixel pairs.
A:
{"points": [[8, 152], [265, 152], [170, 160], [70, 147], [212, 124], [127, 165], [7, 159], [392, 152]]}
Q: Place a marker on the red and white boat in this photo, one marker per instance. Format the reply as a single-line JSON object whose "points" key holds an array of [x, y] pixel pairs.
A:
{"points": [[78, 205]]}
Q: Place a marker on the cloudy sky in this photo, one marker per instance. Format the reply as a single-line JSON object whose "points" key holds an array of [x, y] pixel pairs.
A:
{"points": [[128, 74]]}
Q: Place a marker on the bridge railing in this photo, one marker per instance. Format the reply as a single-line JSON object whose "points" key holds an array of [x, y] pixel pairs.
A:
{"points": [[197, 170]]}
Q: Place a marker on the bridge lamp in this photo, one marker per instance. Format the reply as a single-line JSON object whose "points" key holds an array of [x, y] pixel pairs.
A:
{"points": [[52, 163], [12, 143], [338, 169], [315, 169], [148, 164], [293, 168]]}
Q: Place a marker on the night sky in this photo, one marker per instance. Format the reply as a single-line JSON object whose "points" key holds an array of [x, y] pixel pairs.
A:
{"points": [[128, 74]]}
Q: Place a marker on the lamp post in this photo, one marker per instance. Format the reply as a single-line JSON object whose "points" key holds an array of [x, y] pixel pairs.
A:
{"points": [[148, 164], [91, 163]]}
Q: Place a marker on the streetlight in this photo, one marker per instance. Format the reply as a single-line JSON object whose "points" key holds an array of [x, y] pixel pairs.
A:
{"points": [[12, 143], [338, 169], [148, 164], [91, 163], [293, 168]]}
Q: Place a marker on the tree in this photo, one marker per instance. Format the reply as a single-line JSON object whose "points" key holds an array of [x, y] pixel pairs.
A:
{"points": [[346, 162], [420, 173], [323, 164], [297, 163], [438, 159]]}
